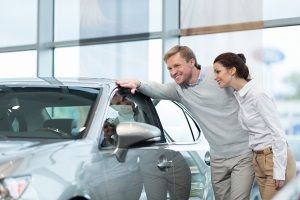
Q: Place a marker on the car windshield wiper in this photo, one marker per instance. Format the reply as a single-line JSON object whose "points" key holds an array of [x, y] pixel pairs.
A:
{"points": [[57, 132]]}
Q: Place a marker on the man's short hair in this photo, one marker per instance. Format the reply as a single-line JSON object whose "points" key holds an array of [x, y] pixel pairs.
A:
{"points": [[184, 51]]}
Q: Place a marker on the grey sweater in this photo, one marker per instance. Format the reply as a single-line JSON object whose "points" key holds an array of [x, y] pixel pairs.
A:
{"points": [[214, 108]]}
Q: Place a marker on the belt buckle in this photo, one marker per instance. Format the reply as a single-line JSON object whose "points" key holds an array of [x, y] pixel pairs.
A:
{"points": [[264, 151]]}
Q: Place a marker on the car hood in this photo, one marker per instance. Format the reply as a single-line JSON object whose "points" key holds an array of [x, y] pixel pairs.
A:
{"points": [[15, 155], [12, 147]]}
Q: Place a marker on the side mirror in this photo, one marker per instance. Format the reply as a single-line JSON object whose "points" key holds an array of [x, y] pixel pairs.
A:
{"points": [[133, 133]]}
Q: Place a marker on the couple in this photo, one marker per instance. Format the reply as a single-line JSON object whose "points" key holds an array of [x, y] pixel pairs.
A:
{"points": [[239, 122]]}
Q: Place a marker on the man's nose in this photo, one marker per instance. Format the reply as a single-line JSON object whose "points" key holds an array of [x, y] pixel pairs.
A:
{"points": [[173, 72]]}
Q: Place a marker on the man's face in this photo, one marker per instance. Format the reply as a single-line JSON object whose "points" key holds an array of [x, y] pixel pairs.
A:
{"points": [[180, 70]]}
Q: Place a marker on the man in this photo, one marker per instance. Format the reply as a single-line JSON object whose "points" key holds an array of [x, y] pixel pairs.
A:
{"points": [[216, 111]]}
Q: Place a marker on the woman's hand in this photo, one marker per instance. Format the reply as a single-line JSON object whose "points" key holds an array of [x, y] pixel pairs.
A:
{"points": [[279, 184]]}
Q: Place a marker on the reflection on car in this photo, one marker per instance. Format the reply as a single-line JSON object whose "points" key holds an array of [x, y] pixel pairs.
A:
{"points": [[88, 139]]}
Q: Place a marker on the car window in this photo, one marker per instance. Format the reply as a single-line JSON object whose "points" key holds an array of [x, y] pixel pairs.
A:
{"points": [[78, 115], [121, 109], [127, 107], [45, 112], [178, 125]]}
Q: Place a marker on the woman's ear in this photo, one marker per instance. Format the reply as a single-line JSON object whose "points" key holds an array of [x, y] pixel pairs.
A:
{"points": [[233, 71]]}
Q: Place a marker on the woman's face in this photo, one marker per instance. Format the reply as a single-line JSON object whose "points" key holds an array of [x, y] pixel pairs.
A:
{"points": [[222, 75]]}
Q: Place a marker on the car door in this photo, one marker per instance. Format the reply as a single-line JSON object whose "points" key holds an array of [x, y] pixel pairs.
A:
{"points": [[183, 135], [147, 170], [146, 164], [165, 173]]}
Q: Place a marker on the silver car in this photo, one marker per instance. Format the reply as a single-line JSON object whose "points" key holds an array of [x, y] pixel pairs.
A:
{"points": [[88, 139]]}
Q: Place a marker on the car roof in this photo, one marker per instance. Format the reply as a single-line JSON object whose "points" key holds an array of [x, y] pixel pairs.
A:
{"points": [[51, 81]]}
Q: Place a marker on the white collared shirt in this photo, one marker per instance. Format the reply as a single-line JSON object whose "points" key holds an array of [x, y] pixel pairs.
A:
{"points": [[259, 116]]}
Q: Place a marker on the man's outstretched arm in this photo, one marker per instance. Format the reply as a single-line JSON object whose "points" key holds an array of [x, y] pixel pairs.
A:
{"points": [[132, 84]]}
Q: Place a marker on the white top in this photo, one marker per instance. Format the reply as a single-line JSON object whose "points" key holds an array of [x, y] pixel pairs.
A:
{"points": [[259, 116]]}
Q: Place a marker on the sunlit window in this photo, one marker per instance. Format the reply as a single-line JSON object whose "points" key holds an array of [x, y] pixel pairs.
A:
{"points": [[201, 13], [119, 60], [18, 64], [282, 72], [18, 22], [277, 9], [80, 19]]}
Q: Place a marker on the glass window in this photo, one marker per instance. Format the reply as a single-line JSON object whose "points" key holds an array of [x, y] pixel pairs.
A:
{"points": [[277, 9], [41, 112], [199, 13], [76, 19], [283, 72], [66, 62], [67, 20], [18, 21], [140, 59], [180, 127], [18, 64], [207, 47], [121, 109], [79, 113]]}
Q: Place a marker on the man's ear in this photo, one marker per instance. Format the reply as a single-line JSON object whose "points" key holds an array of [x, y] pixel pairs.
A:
{"points": [[192, 61]]}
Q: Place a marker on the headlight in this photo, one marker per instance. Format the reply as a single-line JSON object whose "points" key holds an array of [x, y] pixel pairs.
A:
{"points": [[13, 187]]}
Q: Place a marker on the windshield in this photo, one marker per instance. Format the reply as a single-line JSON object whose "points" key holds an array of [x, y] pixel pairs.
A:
{"points": [[45, 112]]}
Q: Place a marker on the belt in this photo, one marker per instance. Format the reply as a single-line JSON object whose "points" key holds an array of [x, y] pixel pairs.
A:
{"points": [[264, 151]]}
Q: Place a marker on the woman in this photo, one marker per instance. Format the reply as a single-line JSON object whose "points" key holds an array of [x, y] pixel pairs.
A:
{"points": [[273, 163]]}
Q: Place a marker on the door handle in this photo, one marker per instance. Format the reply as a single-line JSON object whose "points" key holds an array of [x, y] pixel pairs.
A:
{"points": [[207, 158], [164, 164]]}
